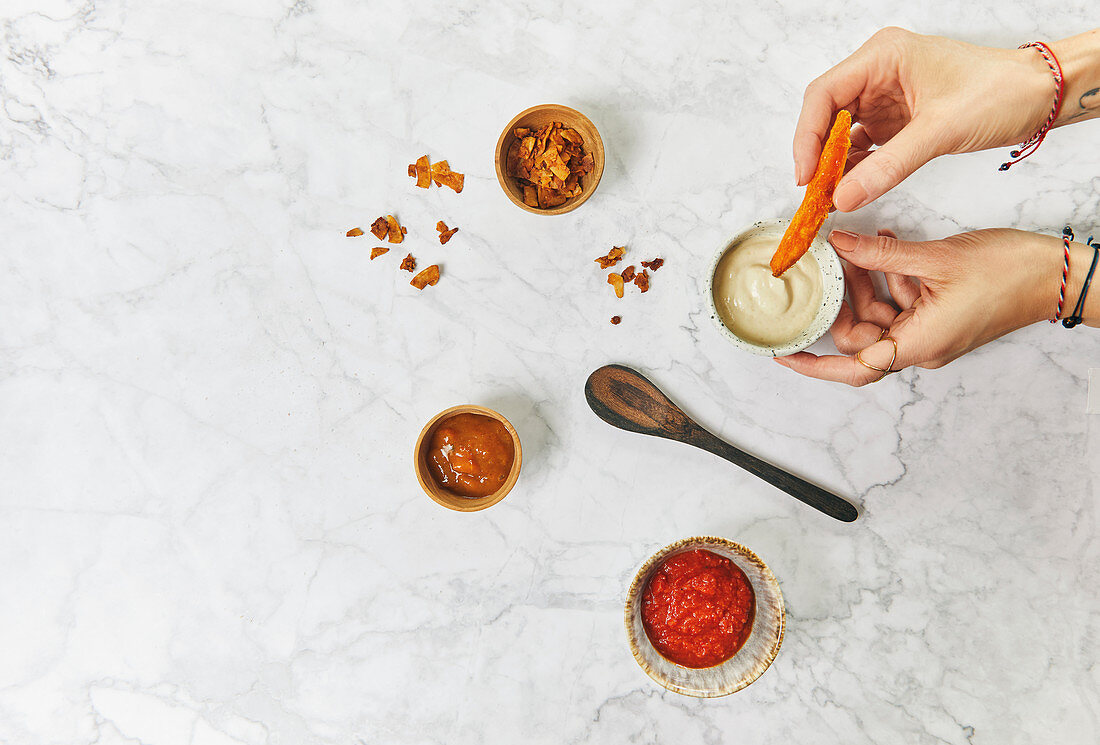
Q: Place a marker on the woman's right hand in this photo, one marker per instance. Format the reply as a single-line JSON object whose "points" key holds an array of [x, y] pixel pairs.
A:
{"points": [[948, 297], [919, 97]]}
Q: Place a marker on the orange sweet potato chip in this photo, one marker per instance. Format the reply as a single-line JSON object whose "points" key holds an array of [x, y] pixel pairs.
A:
{"points": [[355, 232], [612, 258], [616, 320], [616, 281], [379, 228], [548, 163], [445, 233], [394, 230], [378, 251], [628, 274], [444, 176], [408, 263], [421, 169], [818, 199], [641, 279], [653, 265], [427, 277]]}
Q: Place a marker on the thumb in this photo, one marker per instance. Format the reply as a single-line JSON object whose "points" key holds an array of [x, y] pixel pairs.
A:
{"points": [[885, 167], [884, 253]]}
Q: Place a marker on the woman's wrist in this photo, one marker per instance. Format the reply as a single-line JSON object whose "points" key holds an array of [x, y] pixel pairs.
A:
{"points": [[1079, 57], [1035, 89], [1080, 258]]}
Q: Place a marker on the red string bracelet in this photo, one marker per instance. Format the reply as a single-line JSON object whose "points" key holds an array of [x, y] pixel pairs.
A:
{"points": [[1033, 143], [1067, 236]]}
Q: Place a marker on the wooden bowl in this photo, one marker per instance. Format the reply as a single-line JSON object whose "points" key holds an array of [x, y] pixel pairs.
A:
{"points": [[448, 499], [754, 657], [538, 116]]}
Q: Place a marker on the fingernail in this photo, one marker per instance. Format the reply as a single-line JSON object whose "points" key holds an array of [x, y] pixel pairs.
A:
{"points": [[797, 174], [780, 361], [849, 196], [847, 240]]}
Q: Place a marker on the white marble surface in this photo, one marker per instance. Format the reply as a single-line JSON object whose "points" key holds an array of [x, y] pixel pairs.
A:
{"points": [[210, 531]]}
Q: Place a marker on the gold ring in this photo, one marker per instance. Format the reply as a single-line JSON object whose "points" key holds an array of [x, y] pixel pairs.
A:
{"points": [[884, 370], [882, 335]]}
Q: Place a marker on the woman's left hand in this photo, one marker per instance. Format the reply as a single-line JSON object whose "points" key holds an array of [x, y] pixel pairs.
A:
{"points": [[951, 296]]}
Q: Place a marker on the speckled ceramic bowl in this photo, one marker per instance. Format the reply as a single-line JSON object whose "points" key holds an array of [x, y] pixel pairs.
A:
{"points": [[832, 292], [749, 663]]}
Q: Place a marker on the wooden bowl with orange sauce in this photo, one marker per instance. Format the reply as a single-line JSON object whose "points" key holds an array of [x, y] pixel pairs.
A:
{"points": [[426, 470]]}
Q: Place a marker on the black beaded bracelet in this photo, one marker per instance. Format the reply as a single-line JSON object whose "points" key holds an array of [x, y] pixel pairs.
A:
{"points": [[1075, 317]]}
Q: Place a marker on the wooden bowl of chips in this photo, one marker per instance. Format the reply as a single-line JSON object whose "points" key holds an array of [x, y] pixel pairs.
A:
{"points": [[549, 159]]}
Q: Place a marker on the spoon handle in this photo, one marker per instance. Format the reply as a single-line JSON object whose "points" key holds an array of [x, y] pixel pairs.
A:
{"points": [[626, 399], [800, 489]]}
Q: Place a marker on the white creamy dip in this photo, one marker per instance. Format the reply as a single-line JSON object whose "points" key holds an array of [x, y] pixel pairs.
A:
{"points": [[758, 307]]}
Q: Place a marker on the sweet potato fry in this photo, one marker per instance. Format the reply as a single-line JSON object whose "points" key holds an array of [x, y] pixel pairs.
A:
{"points": [[355, 232], [427, 277], [378, 251], [819, 197]]}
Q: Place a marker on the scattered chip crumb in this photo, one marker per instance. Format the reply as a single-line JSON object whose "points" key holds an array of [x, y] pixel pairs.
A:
{"points": [[641, 279], [628, 274], [653, 265], [445, 233], [355, 232], [616, 320], [613, 257], [378, 251], [616, 281], [408, 263], [427, 277], [380, 228]]}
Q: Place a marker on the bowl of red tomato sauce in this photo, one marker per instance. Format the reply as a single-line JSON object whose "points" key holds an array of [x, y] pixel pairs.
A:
{"points": [[704, 617]]}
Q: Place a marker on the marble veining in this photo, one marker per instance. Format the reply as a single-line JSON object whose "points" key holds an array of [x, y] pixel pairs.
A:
{"points": [[210, 528]]}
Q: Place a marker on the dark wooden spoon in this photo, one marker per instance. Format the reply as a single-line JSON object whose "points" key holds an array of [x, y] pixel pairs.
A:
{"points": [[624, 398]]}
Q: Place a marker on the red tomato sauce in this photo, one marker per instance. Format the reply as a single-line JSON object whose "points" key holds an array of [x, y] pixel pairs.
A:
{"points": [[698, 608]]}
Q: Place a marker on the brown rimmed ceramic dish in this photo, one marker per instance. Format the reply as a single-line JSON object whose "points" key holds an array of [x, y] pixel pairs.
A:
{"points": [[538, 116], [754, 657], [449, 499]]}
